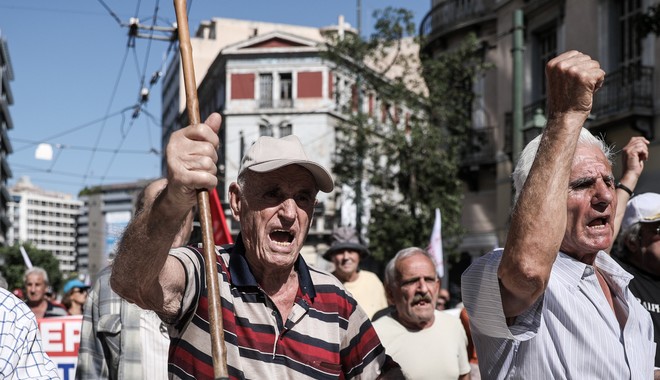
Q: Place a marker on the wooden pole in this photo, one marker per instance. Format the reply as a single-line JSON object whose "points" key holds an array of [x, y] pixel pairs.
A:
{"points": [[218, 349]]}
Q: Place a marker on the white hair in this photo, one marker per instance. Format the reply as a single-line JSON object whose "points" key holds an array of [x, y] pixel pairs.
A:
{"points": [[528, 154]]}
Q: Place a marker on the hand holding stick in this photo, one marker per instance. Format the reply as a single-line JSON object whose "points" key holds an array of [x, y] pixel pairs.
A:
{"points": [[213, 287]]}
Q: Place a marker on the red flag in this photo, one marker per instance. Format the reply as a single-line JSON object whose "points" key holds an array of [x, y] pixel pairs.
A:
{"points": [[221, 234]]}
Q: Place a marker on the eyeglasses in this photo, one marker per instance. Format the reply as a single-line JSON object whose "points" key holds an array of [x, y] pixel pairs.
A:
{"points": [[78, 290]]}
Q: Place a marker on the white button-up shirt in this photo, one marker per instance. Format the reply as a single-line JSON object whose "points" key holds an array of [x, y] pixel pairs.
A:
{"points": [[571, 332]]}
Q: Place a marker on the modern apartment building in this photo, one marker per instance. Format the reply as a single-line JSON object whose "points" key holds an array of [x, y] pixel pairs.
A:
{"points": [[628, 104], [106, 210], [6, 99], [46, 219]]}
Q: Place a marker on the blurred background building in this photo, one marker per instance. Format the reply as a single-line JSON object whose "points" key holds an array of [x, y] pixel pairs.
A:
{"points": [[45, 218], [627, 105]]}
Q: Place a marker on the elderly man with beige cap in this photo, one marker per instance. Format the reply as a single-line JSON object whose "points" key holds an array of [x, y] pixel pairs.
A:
{"points": [[639, 255], [282, 318], [346, 252]]}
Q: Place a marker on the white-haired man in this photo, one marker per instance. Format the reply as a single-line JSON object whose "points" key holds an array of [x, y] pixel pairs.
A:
{"points": [[553, 304]]}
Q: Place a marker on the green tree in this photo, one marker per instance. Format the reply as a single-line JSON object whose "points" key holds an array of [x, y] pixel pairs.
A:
{"points": [[649, 22], [410, 161], [14, 266]]}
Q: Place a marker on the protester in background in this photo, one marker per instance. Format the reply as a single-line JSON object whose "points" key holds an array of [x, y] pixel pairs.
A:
{"points": [[553, 304], [427, 343], [443, 299], [120, 340], [471, 351], [639, 254], [282, 318], [75, 295], [346, 252], [36, 283], [633, 156], [21, 353], [18, 292]]}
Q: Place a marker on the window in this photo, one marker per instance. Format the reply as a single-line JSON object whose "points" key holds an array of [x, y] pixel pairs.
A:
{"points": [[629, 42], [266, 90], [286, 129], [545, 48], [265, 129], [286, 89]]}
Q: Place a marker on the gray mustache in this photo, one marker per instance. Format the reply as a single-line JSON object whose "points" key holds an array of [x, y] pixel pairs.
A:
{"points": [[421, 297]]}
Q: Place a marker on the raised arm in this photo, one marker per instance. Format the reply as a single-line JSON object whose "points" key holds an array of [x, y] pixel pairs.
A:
{"points": [[538, 221], [143, 272], [632, 157]]}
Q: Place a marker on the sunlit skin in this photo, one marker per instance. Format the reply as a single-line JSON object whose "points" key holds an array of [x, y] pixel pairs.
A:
{"points": [[35, 286], [591, 205], [275, 211], [346, 265], [416, 292]]}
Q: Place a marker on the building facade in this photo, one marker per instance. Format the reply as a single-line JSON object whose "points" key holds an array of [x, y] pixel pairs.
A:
{"points": [[627, 105], [46, 219], [6, 99], [106, 210], [267, 80]]}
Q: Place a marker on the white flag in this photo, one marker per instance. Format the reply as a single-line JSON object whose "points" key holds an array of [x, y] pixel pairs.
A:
{"points": [[435, 245], [26, 258]]}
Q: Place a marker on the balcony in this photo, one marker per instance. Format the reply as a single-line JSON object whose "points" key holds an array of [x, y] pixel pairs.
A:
{"points": [[271, 103], [626, 91], [451, 15]]}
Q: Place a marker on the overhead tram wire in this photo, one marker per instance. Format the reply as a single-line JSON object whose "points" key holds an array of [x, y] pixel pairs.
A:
{"points": [[85, 148], [131, 37], [74, 129], [142, 97], [112, 98]]}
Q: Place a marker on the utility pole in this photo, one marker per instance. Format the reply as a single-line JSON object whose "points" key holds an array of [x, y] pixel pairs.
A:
{"points": [[517, 51], [361, 140]]}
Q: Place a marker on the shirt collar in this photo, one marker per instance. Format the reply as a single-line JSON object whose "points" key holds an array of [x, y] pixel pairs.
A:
{"points": [[241, 274], [573, 271]]}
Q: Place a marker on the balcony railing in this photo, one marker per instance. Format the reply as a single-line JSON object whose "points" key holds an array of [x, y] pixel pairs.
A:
{"points": [[627, 89], [275, 103], [450, 13]]}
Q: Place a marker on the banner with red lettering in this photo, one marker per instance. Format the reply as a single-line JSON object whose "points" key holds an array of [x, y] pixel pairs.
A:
{"points": [[60, 338]]}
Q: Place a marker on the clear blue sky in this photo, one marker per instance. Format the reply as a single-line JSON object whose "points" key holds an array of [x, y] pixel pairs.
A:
{"points": [[74, 75]]}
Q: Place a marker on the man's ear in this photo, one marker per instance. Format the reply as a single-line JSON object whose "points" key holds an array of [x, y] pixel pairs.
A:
{"points": [[632, 243], [389, 296], [235, 201]]}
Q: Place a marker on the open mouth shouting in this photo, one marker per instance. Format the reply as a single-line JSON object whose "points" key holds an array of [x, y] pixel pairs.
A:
{"points": [[282, 238], [599, 224]]}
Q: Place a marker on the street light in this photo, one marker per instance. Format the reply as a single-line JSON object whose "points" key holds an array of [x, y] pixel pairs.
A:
{"points": [[534, 127]]}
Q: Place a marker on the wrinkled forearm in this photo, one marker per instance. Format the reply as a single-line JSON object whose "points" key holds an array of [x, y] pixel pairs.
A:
{"points": [[143, 272], [538, 221]]}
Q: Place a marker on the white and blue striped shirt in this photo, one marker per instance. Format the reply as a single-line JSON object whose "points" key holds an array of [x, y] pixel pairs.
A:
{"points": [[571, 332]]}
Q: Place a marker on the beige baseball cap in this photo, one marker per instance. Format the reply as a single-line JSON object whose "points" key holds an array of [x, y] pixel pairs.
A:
{"points": [[642, 208], [269, 153]]}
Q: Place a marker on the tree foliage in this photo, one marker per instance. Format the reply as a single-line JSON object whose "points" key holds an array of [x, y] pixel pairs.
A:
{"points": [[14, 266], [409, 160], [649, 22]]}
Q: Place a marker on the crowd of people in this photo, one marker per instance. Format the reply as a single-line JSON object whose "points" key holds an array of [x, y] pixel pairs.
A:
{"points": [[551, 304]]}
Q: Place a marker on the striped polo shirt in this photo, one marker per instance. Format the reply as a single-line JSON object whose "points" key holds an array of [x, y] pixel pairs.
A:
{"points": [[326, 336]]}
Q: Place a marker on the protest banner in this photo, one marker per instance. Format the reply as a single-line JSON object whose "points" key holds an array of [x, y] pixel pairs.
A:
{"points": [[60, 337]]}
